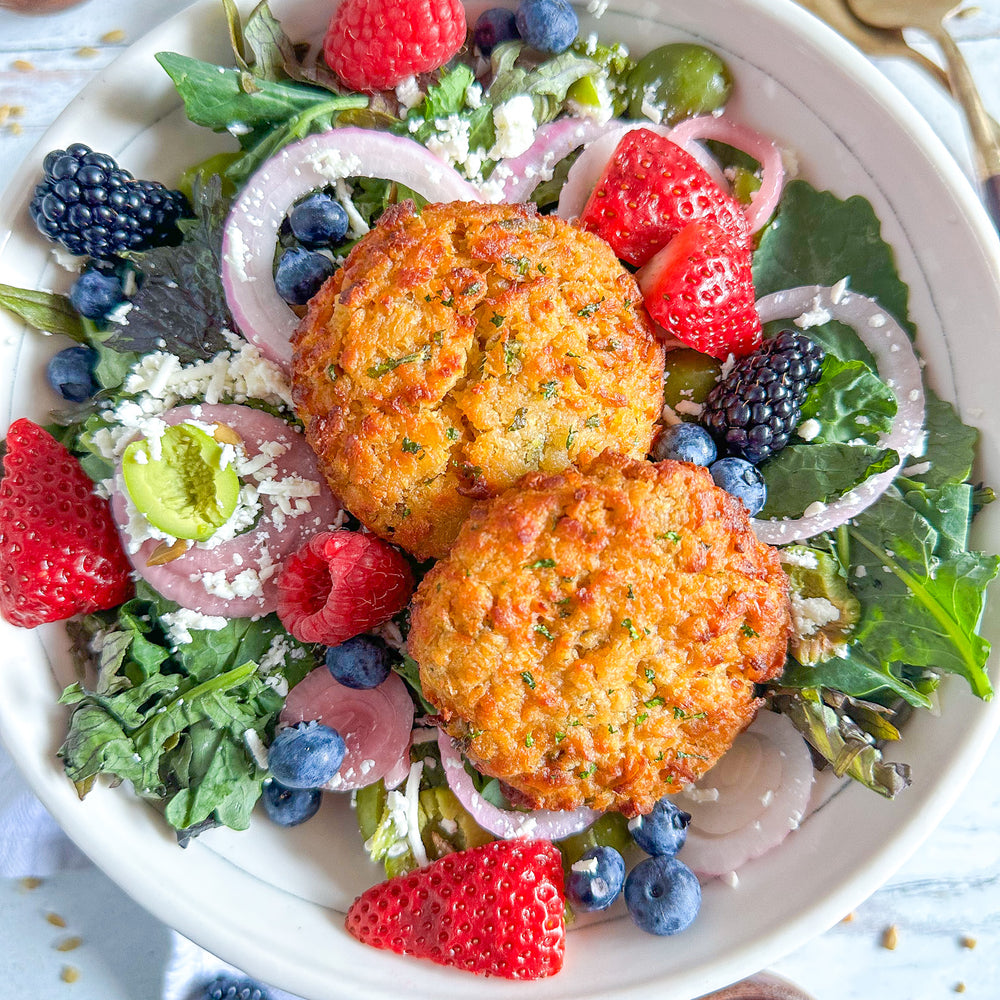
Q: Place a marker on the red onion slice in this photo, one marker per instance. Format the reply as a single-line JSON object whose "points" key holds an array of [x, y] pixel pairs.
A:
{"points": [[898, 366], [750, 800], [217, 579], [765, 199], [251, 232], [546, 824], [375, 724], [553, 141]]}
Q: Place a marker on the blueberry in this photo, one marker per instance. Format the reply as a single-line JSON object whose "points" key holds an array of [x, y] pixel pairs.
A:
{"points": [[318, 221], [306, 756], [547, 25], [71, 373], [227, 987], [301, 274], [596, 879], [663, 895], [496, 25], [360, 662], [738, 477], [685, 442], [662, 831], [290, 806], [94, 294]]}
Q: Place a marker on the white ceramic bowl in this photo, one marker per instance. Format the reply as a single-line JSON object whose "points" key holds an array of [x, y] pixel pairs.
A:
{"points": [[271, 900]]}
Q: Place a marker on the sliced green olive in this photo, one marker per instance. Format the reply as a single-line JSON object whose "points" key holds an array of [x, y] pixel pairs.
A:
{"points": [[187, 490], [681, 79], [689, 376]]}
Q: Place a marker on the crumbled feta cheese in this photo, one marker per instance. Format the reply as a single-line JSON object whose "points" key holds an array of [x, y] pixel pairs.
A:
{"points": [[514, 121], [803, 557], [816, 316], [809, 429], [810, 614], [408, 92], [178, 625]]}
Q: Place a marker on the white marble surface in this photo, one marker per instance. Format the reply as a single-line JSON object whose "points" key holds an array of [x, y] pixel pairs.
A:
{"points": [[944, 902]]}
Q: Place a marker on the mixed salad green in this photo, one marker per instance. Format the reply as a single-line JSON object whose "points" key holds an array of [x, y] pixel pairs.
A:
{"points": [[173, 718]]}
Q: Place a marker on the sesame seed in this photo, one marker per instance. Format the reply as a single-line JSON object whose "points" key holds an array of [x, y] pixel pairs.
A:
{"points": [[55, 919], [69, 943], [87, 52], [890, 937], [23, 66], [113, 37]]}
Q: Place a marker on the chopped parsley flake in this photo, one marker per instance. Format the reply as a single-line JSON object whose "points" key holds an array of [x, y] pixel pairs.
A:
{"points": [[654, 702], [588, 771], [411, 447], [519, 420], [542, 564], [474, 289], [560, 737], [590, 309], [650, 674], [451, 434], [681, 755], [549, 389], [631, 593], [630, 628], [592, 421], [748, 631], [679, 713], [543, 630], [570, 437], [331, 373], [390, 364], [529, 740], [668, 536], [640, 719], [512, 355], [528, 679], [497, 320]]}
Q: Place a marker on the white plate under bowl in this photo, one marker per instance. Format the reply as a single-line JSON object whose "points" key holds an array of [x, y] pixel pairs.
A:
{"points": [[271, 900]]}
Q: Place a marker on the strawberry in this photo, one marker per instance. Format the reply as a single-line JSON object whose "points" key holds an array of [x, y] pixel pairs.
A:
{"points": [[496, 910], [700, 290], [650, 190], [60, 554], [340, 584], [376, 44]]}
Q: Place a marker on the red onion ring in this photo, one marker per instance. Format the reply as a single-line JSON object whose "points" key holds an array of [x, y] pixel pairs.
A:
{"points": [[897, 364], [251, 232], [553, 141], [763, 783], [546, 824], [375, 724], [764, 200]]}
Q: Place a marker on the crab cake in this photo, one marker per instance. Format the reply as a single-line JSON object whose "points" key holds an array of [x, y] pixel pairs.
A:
{"points": [[594, 639], [461, 347]]}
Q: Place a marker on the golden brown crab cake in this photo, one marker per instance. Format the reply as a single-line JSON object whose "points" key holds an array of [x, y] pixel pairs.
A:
{"points": [[461, 347], [594, 639]]}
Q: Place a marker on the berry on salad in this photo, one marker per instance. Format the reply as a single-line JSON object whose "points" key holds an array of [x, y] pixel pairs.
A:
{"points": [[340, 584], [496, 910], [290, 806], [60, 554], [662, 831], [96, 293], [685, 442], [741, 479], [596, 879], [376, 44], [182, 481], [699, 288], [318, 221], [306, 755], [300, 274], [754, 409], [93, 208], [649, 191], [71, 373], [663, 895], [228, 987], [493, 26], [361, 663], [547, 25]]}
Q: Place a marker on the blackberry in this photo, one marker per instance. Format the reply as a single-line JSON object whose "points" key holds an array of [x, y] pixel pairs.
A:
{"points": [[91, 206], [754, 409]]}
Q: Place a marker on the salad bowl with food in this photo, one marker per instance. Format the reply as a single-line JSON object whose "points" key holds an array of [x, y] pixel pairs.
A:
{"points": [[539, 455]]}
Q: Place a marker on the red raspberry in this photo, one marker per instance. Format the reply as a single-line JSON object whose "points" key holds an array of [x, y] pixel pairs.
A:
{"points": [[340, 584], [496, 910], [375, 44], [60, 554]]}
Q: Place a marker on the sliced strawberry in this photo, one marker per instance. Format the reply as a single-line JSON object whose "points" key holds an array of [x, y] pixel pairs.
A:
{"points": [[340, 584], [496, 910], [60, 554], [700, 290], [649, 191]]}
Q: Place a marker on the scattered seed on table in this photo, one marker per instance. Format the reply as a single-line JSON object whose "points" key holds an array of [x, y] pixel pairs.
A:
{"points": [[86, 52], [113, 37], [69, 974], [69, 943], [55, 919], [967, 942], [23, 66], [14, 128], [890, 937], [30, 882]]}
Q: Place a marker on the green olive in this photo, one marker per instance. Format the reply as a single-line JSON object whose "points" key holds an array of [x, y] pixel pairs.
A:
{"points": [[681, 79], [688, 377], [609, 830], [181, 484]]}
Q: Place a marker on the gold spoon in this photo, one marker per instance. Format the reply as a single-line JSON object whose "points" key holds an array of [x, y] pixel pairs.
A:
{"points": [[875, 41], [929, 16]]}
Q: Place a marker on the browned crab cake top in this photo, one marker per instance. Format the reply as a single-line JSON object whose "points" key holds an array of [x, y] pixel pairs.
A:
{"points": [[594, 639], [461, 347]]}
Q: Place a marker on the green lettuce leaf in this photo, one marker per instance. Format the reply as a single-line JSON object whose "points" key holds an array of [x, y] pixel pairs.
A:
{"points": [[45, 311], [850, 402], [801, 474], [818, 239]]}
